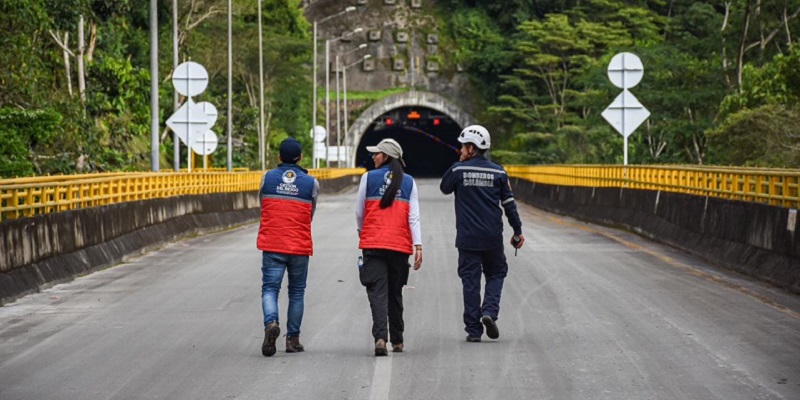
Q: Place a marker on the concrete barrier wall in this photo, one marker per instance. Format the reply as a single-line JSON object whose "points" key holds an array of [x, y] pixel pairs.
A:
{"points": [[753, 239], [38, 251]]}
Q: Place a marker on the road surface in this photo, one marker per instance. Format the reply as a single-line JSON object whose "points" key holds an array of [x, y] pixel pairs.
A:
{"points": [[587, 313]]}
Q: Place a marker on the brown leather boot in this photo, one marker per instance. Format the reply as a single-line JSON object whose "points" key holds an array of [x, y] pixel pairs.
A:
{"points": [[293, 344], [271, 333], [380, 348]]}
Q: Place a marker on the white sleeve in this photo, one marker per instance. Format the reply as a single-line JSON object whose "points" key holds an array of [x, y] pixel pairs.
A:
{"points": [[362, 198], [413, 216]]}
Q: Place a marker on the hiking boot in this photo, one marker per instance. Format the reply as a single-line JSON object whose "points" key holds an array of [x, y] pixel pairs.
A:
{"points": [[397, 348], [473, 339], [380, 348], [271, 333], [293, 344], [491, 327]]}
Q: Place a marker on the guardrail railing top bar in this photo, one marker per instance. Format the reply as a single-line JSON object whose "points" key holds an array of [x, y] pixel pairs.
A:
{"points": [[20, 197], [771, 186], [28, 196]]}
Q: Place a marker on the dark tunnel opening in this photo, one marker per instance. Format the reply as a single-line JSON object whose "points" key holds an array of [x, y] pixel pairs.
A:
{"points": [[429, 140]]}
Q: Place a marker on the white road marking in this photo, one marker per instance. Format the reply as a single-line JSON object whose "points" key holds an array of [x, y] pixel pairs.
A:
{"points": [[381, 379]]}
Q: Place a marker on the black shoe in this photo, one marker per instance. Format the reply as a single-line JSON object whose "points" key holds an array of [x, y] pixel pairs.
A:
{"points": [[473, 339], [271, 333], [491, 327]]}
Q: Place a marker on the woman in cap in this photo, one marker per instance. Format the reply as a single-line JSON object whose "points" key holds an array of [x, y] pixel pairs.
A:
{"points": [[387, 214]]}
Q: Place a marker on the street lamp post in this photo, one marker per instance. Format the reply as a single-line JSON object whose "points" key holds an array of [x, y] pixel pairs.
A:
{"points": [[338, 116], [176, 144], [261, 152], [344, 84], [154, 122], [328, 88], [314, 105], [230, 86], [314, 112], [340, 57]]}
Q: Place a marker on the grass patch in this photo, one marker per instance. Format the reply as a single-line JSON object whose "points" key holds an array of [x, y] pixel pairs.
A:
{"points": [[379, 95]]}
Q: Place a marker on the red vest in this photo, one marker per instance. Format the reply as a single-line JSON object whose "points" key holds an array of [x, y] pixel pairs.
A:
{"points": [[388, 228], [286, 196]]}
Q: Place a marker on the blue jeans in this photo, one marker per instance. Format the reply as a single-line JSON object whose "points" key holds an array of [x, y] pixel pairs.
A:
{"points": [[273, 265]]}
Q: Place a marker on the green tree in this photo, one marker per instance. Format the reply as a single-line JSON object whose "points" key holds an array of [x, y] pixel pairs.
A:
{"points": [[24, 80], [776, 82], [683, 93], [767, 136], [544, 95], [287, 76], [22, 134]]}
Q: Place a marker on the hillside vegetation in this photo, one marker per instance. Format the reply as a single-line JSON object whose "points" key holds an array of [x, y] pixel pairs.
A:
{"points": [[721, 79]]}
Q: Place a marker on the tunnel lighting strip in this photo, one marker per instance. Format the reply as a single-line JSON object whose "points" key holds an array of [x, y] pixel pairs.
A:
{"points": [[433, 137]]}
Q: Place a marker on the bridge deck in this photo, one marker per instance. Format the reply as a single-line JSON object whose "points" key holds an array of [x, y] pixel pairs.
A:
{"points": [[587, 313]]}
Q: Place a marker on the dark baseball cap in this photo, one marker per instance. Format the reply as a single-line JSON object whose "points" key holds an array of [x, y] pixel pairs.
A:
{"points": [[290, 150]]}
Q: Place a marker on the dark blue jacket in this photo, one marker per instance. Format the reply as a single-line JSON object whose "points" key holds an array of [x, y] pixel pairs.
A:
{"points": [[481, 188]]}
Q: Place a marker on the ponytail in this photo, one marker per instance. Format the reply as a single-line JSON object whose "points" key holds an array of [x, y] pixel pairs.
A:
{"points": [[397, 179]]}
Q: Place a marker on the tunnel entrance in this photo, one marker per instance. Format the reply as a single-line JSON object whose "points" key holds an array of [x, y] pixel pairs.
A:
{"points": [[429, 140]]}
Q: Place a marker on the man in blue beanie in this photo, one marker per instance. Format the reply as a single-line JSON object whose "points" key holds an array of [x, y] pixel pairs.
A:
{"points": [[288, 200]]}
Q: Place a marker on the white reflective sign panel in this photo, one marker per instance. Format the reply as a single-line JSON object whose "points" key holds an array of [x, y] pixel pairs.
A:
{"points": [[205, 144], [189, 121], [190, 79], [318, 133], [210, 111], [625, 70], [626, 113]]}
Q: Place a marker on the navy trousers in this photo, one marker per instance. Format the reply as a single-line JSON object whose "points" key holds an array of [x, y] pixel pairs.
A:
{"points": [[471, 264]]}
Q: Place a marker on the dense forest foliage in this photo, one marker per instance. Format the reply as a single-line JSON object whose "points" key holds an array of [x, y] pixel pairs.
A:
{"points": [[49, 124], [721, 80]]}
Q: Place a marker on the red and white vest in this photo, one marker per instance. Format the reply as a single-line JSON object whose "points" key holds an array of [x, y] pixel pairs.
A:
{"points": [[388, 228], [286, 210]]}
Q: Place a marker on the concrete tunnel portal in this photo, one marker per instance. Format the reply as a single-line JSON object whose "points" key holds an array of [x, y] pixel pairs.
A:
{"points": [[429, 140], [425, 124]]}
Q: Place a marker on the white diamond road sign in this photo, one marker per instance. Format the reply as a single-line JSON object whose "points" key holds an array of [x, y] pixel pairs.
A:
{"points": [[626, 113], [192, 122]]}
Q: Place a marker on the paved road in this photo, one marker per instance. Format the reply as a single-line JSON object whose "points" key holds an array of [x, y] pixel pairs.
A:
{"points": [[587, 313]]}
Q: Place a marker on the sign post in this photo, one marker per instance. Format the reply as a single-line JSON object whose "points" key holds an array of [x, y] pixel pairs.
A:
{"points": [[625, 113], [192, 122], [318, 134]]}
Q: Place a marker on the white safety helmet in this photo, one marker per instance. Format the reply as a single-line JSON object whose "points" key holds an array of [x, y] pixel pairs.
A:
{"points": [[476, 135]]}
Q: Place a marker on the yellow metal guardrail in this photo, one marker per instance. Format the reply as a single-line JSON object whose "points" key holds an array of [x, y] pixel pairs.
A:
{"points": [[21, 197], [776, 187], [29, 196]]}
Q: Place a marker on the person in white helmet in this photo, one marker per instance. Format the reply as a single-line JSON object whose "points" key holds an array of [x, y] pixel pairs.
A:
{"points": [[481, 188]]}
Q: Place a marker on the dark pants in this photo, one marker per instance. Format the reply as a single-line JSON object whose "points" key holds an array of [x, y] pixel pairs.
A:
{"points": [[384, 274], [492, 263]]}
